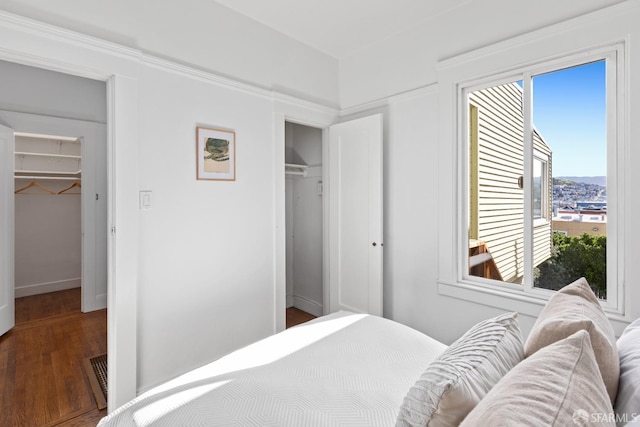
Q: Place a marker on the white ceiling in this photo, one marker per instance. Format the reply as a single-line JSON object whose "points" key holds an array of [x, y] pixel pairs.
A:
{"points": [[341, 27]]}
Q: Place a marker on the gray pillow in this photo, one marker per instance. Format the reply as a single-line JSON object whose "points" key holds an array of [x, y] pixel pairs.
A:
{"points": [[457, 380]]}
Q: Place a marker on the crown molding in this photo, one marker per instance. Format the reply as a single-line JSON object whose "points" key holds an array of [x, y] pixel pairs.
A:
{"points": [[40, 29], [589, 19]]}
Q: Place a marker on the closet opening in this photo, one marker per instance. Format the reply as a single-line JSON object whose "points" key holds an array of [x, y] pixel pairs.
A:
{"points": [[48, 214], [60, 271], [304, 222]]}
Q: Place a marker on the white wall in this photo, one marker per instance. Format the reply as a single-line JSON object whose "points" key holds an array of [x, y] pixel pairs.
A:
{"points": [[47, 239], [206, 268], [204, 34], [408, 60]]}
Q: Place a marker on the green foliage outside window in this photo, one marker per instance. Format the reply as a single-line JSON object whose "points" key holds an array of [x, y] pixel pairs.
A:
{"points": [[572, 258]]}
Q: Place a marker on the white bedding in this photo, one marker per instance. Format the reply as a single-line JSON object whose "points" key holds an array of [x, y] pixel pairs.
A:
{"points": [[341, 369]]}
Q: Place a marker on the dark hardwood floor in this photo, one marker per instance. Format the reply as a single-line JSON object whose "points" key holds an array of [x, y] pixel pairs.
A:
{"points": [[296, 316], [42, 382]]}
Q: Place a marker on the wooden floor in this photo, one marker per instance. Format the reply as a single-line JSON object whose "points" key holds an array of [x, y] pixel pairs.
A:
{"points": [[42, 382], [296, 316]]}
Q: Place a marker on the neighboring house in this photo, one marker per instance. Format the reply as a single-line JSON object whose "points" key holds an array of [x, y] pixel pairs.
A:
{"points": [[496, 155], [576, 224]]}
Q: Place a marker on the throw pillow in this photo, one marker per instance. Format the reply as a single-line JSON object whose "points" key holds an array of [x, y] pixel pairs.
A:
{"points": [[573, 308], [458, 379], [560, 385], [628, 400]]}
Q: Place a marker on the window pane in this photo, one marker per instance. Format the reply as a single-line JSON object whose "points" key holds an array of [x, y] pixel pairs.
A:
{"points": [[496, 200], [537, 188], [569, 109]]}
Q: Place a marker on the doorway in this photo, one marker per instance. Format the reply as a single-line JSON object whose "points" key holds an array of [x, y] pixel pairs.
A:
{"points": [[48, 214], [58, 228], [351, 218], [43, 107], [304, 218]]}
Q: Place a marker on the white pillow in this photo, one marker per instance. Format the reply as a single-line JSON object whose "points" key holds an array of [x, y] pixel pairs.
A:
{"points": [[458, 379], [628, 400]]}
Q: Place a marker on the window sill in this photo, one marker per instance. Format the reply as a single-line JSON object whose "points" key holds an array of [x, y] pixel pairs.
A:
{"points": [[493, 296], [506, 299]]}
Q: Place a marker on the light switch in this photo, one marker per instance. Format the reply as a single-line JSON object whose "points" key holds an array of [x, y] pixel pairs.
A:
{"points": [[145, 200]]}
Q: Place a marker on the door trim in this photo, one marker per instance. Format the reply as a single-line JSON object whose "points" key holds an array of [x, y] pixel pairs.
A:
{"points": [[32, 43], [7, 227], [319, 121]]}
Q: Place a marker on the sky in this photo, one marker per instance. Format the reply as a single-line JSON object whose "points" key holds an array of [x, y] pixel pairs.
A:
{"points": [[569, 112]]}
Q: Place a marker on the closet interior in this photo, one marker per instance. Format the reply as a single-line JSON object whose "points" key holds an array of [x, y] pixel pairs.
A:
{"points": [[48, 239], [303, 198]]}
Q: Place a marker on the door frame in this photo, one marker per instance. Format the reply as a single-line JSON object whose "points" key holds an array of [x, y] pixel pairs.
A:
{"points": [[324, 139], [7, 227], [319, 120], [36, 44]]}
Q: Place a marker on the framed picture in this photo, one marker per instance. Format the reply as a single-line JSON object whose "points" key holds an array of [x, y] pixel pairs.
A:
{"points": [[216, 154]]}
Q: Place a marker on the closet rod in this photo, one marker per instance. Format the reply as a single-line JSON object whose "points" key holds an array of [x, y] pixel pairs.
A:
{"points": [[44, 136], [57, 178]]}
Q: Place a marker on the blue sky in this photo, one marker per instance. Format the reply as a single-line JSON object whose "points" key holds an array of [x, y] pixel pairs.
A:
{"points": [[569, 111]]}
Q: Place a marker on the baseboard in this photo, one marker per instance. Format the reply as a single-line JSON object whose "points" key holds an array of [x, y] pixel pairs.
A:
{"points": [[43, 288], [307, 305], [289, 300], [101, 301]]}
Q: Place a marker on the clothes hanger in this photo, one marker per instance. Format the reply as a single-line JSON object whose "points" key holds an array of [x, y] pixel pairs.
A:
{"points": [[74, 185], [34, 184]]}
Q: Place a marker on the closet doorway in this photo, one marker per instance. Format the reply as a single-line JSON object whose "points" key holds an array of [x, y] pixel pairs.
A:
{"points": [[56, 202], [304, 218], [60, 198], [48, 241]]}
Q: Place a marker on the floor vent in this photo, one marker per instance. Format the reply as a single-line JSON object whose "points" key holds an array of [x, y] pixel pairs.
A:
{"points": [[96, 369]]}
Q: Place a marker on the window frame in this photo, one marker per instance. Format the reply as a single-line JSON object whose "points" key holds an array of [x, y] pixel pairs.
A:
{"points": [[545, 177], [614, 54]]}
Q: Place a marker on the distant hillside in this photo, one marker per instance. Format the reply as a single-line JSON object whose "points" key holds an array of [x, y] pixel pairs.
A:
{"points": [[598, 180]]}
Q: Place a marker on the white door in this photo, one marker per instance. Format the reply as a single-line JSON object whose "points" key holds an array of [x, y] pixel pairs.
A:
{"points": [[7, 187], [355, 216], [94, 218]]}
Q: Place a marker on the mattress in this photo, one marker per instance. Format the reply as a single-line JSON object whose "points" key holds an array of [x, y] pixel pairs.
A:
{"points": [[340, 369]]}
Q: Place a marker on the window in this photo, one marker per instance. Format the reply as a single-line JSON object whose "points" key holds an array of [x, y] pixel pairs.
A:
{"points": [[536, 205], [540, 187]]}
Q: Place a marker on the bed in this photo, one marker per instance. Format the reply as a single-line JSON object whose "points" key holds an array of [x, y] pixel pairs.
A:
{"points": [[349, 369], [341, 369]]}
